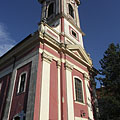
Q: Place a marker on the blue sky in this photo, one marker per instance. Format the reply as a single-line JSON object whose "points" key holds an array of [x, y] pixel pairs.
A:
{"points": [[100, 21]]}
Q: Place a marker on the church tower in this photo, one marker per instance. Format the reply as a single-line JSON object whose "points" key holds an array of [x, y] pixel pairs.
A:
{"points": [[49, 75], [60, 22], [63, 17]]}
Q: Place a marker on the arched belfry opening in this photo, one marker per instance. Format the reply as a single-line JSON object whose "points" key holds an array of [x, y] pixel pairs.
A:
{"points": [[71, 10], [51, 9]]}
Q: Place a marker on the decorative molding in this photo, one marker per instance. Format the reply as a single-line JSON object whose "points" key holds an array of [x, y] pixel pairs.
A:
{"points": [[51, 33], [46, 57], [63, 61], [69, 66], [86, 77], [58, 64]]}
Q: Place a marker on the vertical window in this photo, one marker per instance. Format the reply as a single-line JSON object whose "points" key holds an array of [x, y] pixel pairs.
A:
{"points": [[22, 82], [71, 11], [78, 90], [74, 34], [51, 9]]}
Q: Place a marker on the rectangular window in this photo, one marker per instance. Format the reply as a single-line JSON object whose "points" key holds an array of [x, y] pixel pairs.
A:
{"points": [[78, 90], [22, 82], [74, 34]]}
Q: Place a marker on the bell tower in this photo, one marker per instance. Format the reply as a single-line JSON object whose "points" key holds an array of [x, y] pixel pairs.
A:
{"points": [[63, 17]]}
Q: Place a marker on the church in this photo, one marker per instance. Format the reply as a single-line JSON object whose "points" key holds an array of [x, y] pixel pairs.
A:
{"points": [[49, 75]]}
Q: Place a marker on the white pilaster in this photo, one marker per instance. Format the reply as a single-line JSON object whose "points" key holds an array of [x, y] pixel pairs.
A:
{"points": [[59, 93], [90, 111], [70, 104], [45, 87]]}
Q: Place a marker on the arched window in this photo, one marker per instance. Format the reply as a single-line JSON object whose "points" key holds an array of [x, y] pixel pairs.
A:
{"points": [[22, 82], [71, 11], [51, 9], [78, 90]]}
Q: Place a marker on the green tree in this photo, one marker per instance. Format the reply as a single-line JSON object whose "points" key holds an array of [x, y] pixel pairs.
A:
{"points": [[109, 99]]}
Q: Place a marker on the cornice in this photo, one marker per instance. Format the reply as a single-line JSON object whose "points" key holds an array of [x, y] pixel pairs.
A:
{"points": [[82, 52], [58, 63], [21, 48], [61, 47], [58, 16], [86, 77], [69, 66], [46, 57]]}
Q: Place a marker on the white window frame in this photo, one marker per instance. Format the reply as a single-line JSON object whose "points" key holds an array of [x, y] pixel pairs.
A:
{"points": [[20, 82], [83, 103]]}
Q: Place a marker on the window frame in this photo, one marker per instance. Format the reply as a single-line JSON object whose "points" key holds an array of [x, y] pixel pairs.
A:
{"points": [[73, 12], [18, 89], [49, 17], [74, 34], [83, 103], [77, 34]]}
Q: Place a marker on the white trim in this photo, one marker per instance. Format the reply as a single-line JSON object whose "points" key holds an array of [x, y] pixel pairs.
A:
{"points": [[88, 96], [45, 91], [54, 57], [82, 91], [14, 74], [70, 102], [79, 118], [50, 47], [63, 61], [18, 90], [59, 95]]}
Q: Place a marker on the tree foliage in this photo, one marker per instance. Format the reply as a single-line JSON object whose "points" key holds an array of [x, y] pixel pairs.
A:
{"points": [[109, 100]]}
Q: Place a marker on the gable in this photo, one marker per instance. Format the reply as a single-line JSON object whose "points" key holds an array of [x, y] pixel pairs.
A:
{"points": [[80, 52]]}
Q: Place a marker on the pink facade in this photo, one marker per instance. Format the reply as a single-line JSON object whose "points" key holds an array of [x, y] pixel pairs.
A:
{"points": [[49, 75], [19, 102], [3, 92]]}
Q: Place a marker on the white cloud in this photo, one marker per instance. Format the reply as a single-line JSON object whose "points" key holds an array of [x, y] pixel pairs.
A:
{"points": [[6, 42]]}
